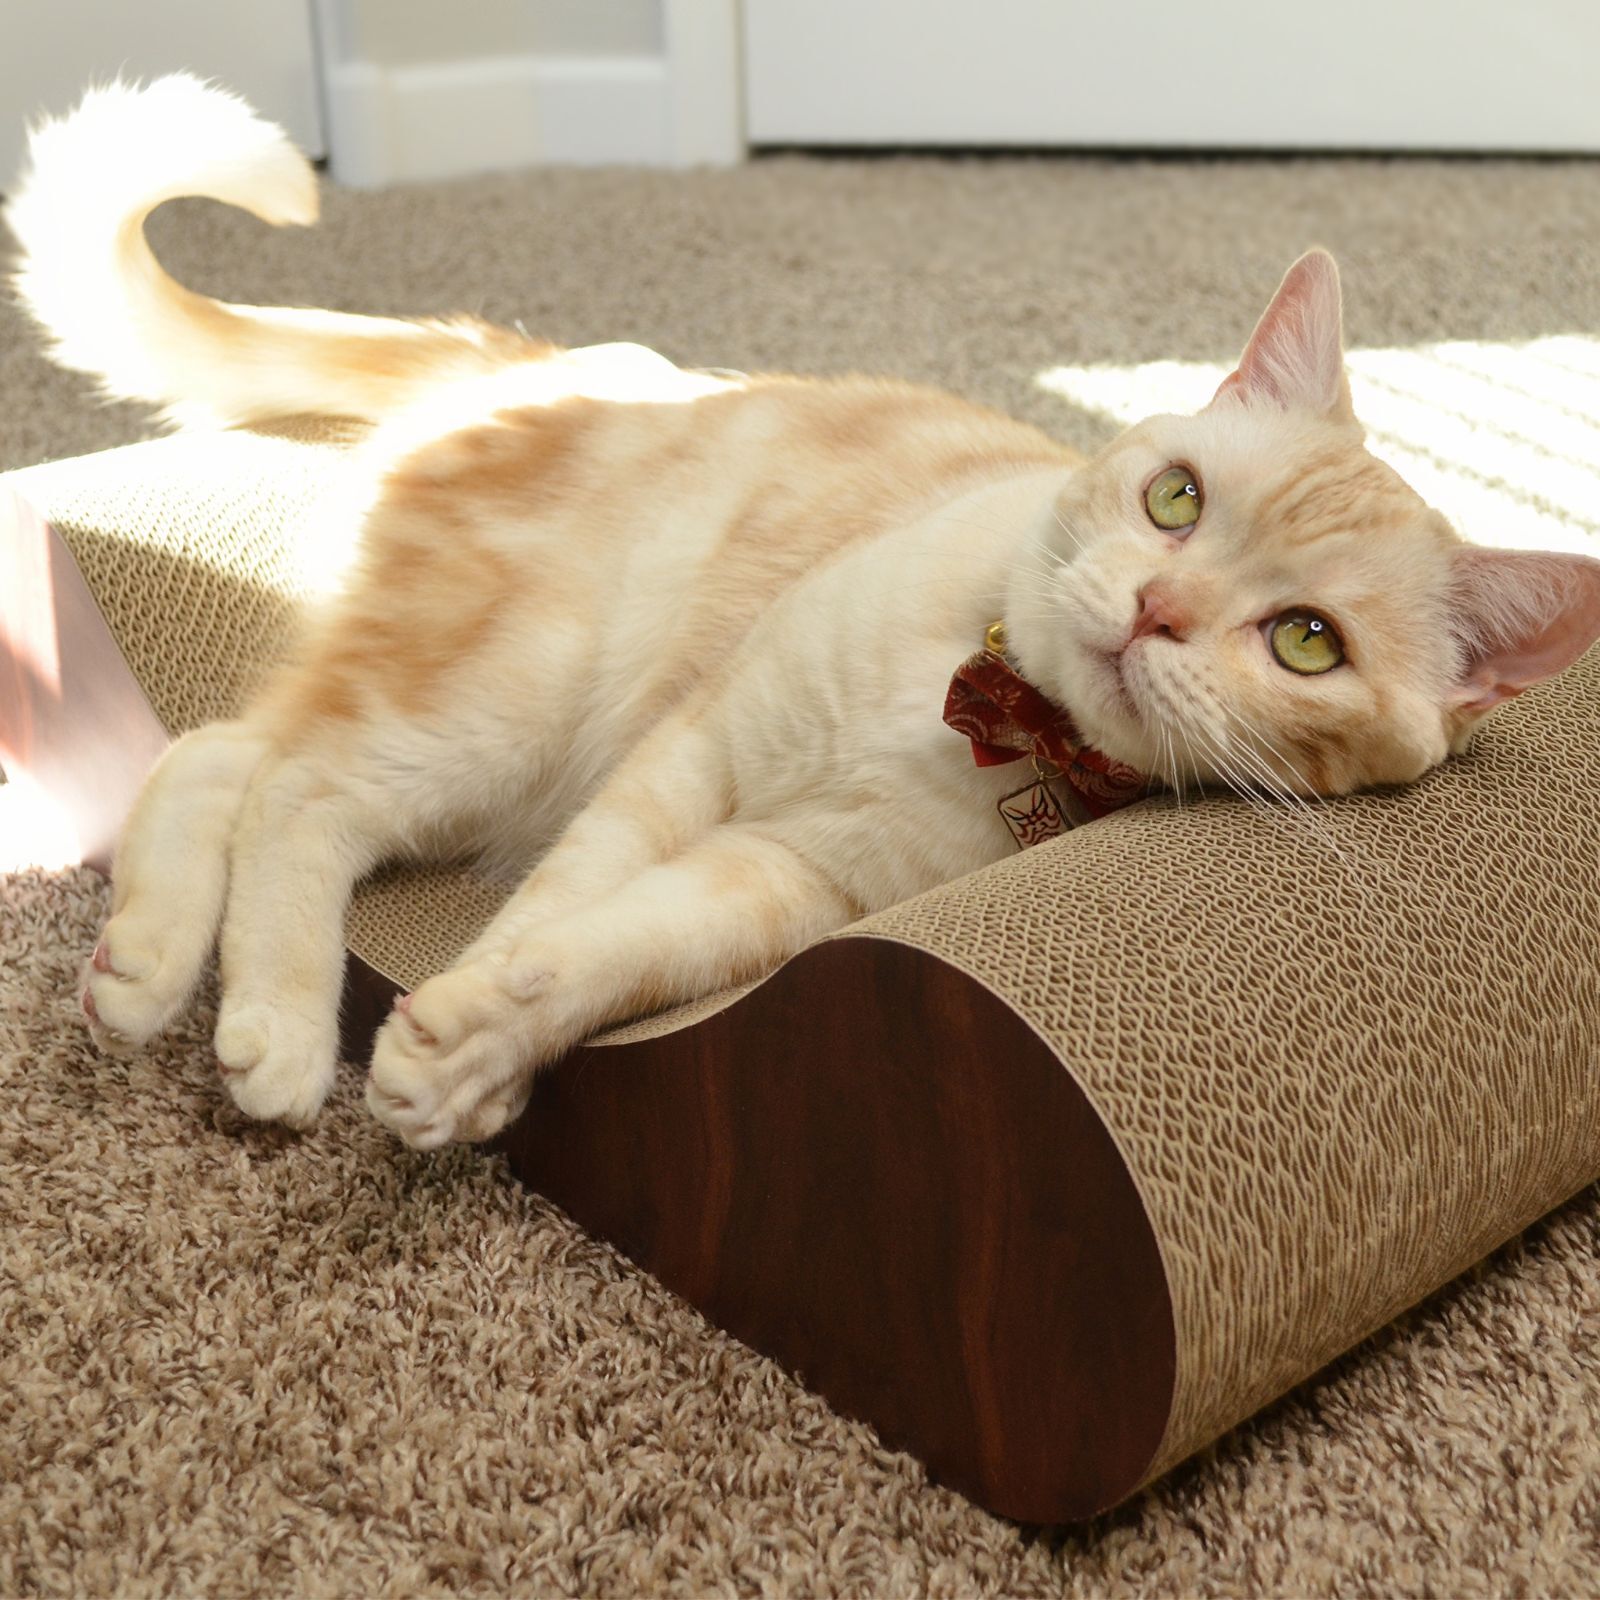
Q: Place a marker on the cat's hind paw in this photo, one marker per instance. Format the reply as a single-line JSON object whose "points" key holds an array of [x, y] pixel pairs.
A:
{"points": [[448, 1066]]}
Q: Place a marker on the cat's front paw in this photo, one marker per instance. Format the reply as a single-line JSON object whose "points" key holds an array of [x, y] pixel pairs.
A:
{"points": [[276, 1066], [454, 1062], [132, 988]]}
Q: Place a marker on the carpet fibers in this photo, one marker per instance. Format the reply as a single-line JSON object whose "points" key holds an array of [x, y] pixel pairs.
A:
{"points": [[236, 1361]]}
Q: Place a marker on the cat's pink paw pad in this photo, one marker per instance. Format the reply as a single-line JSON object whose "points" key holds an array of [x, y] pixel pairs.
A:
{"points": [[138, 954], [413, 1116], [130, 990], [107, 1039], [444, 1013], [454, 1059], [432, 1119], [433, 1099], [402, 1009]]}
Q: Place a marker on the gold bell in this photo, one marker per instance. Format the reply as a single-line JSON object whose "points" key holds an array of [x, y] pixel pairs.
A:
{"points": [[994, 638]]}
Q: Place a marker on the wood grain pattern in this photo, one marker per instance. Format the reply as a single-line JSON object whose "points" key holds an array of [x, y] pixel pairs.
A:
{"points": [[876, 1172]]}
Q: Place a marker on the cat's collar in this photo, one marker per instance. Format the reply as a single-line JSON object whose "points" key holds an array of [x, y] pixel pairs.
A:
{"points": [[1008, 719]]}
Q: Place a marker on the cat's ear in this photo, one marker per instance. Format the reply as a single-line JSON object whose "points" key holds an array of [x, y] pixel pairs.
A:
{"points": [[1295, 358], [1522, 616]]}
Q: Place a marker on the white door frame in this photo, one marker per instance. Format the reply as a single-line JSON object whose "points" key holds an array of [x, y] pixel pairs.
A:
{"points": [[422, 120]]}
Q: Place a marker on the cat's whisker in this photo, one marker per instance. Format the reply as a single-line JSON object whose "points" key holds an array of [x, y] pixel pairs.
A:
{"points": [[1297, 808], [1261, 773], [1290, 805], [1223, 758], [1039, 562], [1166, 760], [1169, 764], [1265, 744], [1305, 800], [1172, 761], [1274, 782], [1061, 522]]}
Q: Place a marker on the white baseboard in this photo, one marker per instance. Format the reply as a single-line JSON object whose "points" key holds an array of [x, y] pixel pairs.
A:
{"points": [[448, 119]]}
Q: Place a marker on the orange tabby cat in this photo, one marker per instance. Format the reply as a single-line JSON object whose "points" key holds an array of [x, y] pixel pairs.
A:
{"points": [[700, 629]]}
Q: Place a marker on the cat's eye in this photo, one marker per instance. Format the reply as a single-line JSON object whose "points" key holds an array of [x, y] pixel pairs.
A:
{"points": [[1305, 643], [1173, 499]]}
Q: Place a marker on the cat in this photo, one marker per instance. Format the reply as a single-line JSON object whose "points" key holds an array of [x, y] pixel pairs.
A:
{"points": [[699, 629]]}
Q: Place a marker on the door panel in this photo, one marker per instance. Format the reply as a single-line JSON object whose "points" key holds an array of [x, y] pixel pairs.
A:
{"points": [[1366, 74]]}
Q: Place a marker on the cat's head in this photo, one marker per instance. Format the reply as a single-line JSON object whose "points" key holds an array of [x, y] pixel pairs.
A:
{"points": [[1249, 591]]}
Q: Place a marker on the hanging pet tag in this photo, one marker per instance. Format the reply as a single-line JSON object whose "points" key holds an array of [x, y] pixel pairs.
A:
{"points": [[1041, 810], [1007, 719]]}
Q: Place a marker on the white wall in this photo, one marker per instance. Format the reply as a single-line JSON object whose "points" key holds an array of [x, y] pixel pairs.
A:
{"points": [[408, 32], [51, 50]]}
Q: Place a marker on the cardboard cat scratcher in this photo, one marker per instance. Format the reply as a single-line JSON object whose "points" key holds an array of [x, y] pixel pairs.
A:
{"points": [[1054, 1173]]}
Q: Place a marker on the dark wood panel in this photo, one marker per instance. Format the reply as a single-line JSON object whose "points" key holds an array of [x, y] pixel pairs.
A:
{"points": [[877, 1173]]}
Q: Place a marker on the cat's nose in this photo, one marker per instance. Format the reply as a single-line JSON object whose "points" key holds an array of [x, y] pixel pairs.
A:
{"points": [[1159, 614]]}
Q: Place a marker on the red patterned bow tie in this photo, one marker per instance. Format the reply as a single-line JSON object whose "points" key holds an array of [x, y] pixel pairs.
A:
{"points": [[1006, 718]]}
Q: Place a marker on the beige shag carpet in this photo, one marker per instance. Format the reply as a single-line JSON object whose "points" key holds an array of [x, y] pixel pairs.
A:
{"points": [[239, 1362]]}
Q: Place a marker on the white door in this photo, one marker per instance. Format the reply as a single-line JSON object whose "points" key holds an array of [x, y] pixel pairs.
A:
{"points": [[51, 50], [1509, 75]]}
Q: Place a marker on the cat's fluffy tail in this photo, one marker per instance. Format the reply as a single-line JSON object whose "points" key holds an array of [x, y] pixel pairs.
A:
{"points": [[88, 275]]}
